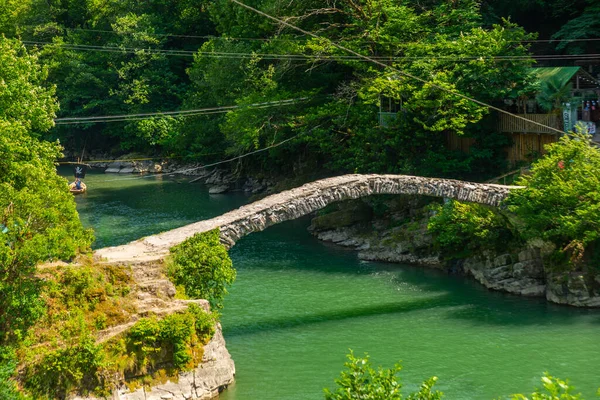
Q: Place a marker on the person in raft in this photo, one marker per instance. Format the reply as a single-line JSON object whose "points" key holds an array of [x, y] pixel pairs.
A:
{"points": [[78, 184]]}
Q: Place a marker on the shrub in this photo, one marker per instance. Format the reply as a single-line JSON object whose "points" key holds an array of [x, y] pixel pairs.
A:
{"points": [[462, 229], [202, 266], [561, 200], [362, 381], [554, 389], [174, 342], [60, 371]]}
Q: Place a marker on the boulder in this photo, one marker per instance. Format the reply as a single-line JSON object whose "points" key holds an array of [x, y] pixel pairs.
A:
{"points": [[218, 189]]}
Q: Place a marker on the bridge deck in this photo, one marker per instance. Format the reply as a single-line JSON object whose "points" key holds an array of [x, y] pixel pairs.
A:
{"points": [[301, 201]]}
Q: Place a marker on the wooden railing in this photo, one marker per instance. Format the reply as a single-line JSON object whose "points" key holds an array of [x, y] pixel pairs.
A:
{"points": [[509, 176], [510, 124]]}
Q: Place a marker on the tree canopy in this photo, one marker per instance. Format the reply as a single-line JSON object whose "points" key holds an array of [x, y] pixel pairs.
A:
{"points": [[561, 200], [123, 58], [38, 220]]}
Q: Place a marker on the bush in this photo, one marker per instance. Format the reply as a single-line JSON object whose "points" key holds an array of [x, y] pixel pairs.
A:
{"points": [[361, 381], [554, 389], [202, 266], [173, 342], [561, 201], [463, 229], [60, 371]]}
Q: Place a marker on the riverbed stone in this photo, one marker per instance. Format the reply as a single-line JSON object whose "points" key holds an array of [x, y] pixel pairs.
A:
{"points": [[335, 236], [114, 167], [499, 273], [529, 254], [218, 189]]}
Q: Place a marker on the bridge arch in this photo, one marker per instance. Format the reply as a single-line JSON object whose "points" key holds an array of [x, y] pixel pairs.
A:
{"points": [[301, 201]]}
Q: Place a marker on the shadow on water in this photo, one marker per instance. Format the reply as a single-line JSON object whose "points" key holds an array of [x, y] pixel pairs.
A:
{"points": [[466, 299], [338, 315], [127, 207]]}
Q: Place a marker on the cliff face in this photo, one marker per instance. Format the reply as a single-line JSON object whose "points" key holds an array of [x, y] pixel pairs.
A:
{"points": [[155, 296], [211, 377], [214, 374], [519, 271]]}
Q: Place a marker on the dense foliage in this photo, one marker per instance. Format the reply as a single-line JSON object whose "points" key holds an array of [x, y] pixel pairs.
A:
{"points": [[340, 126], [464, 229], [202, 267], [38, 220], [561, 201], [129, 57]]}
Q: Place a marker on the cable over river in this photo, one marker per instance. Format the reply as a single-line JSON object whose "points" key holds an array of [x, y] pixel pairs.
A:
{"points": [[298, 305]]}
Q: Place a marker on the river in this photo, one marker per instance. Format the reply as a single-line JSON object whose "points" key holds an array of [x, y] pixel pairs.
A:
{"points": [[298, 305]]}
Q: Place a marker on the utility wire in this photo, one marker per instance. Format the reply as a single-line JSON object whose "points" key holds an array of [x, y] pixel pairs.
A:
{"points": [[182, 113], [481, 103], [303, 57], [102, 121], [298, 39]]}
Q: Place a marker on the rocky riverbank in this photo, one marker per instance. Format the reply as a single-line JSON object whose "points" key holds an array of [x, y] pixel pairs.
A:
{"points": [[219, 180], [401, 236]]}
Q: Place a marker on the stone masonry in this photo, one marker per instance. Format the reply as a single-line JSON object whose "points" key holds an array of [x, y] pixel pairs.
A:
{"points": [[301, 201]]}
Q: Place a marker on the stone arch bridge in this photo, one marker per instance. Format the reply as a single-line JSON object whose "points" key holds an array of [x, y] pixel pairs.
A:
{"points": [[301, 201]]}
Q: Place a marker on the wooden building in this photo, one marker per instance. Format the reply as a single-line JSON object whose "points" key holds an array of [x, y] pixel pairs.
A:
{"points": [[528, 138]]}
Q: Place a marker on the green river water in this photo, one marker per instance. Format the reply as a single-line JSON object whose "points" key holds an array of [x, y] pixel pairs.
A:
{"points": [[298, 305]]}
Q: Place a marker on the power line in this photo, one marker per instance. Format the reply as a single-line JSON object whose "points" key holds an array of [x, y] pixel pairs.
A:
{"points": [[298, 39], [481, 103], [305, 57], [182, 113], [180, 36], [133, 118]]}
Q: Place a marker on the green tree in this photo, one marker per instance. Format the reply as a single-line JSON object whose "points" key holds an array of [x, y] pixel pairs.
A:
{"points": [[442, 44], [561, 199], [575, 35], [362, 381], [553, 93], [38, 220], [202, 266]]}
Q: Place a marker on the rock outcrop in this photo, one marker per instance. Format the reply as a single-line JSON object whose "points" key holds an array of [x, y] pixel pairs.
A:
{"points": [[574, 289], [520, 273], [211, 377], [155, 296]]}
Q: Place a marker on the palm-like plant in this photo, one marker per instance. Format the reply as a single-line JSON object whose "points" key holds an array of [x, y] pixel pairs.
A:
{"points": [[553, 93]]}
